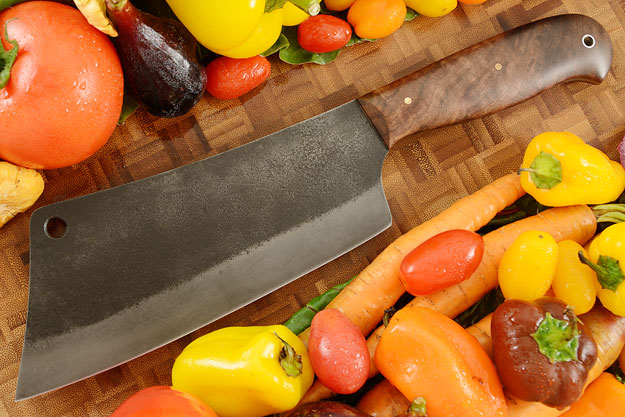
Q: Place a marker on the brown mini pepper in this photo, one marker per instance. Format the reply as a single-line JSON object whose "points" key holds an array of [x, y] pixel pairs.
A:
{"points": [[542, 351]]}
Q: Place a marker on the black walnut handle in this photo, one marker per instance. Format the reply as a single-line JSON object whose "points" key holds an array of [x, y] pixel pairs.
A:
{"points": [[492, 75]]}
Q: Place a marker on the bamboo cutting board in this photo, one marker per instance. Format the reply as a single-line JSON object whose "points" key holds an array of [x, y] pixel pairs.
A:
{"points": [[422, 174]]}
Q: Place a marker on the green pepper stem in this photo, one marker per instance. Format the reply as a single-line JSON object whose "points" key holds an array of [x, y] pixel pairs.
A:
{"points": [[612, 213], [290, 361], [541, 173], [608, 270], [388, 313], [418, 408], [7, 57]]}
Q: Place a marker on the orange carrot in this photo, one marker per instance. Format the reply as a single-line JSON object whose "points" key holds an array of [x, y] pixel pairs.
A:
{"points": [[576, 223], [383, 400], [378, 286], [607, 329]]}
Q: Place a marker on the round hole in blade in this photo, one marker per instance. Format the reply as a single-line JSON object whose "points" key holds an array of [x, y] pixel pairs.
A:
{"points": [[55, 227], [588, 41]]}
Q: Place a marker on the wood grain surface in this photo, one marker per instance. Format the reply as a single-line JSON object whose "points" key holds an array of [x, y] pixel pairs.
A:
{"points": [[422, 174]]}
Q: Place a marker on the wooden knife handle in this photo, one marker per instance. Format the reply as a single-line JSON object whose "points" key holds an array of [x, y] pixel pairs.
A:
{"points": [[492, 75]]}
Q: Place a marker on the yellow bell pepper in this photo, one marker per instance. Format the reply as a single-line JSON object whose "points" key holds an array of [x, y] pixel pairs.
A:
{"points": [[293, 15], [559, 169], [245, 371], [528, 266], [606, 256], [239, 28], [574, 282]]}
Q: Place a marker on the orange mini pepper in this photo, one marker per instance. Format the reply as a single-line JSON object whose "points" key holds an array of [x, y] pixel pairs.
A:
{"points": [[604, 397], [426, 354], [373, 19]]}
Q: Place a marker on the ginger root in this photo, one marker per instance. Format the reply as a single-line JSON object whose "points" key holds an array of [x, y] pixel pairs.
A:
{"points": [[19, 189]]}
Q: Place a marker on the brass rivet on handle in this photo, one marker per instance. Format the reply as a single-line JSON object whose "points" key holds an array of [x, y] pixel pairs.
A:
{"points": [[408, 100], [498, 66]]}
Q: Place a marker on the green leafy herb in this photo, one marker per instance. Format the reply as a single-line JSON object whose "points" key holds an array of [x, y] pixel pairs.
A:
{"points": [[281, 43], [355, 39], [301, 320], [481, 309], [271, 5], [410, 14], [524, 207], [312, 7], [609, 272], [617, 372], [557, 339], [295, 54], [7, 57], [128, 108], [545, 170], [5, 4]]}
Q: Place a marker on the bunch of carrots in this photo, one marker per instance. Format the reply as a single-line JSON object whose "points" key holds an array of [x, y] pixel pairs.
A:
{"points": [[378, 287]]}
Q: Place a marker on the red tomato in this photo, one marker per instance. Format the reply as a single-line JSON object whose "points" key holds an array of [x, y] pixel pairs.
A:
{"points": [[441, 261], [163, 401], [323, 33], [230, 78], [65, 92], [338, 352]]}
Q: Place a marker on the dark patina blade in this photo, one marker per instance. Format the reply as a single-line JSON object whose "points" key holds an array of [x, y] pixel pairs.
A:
{"points": [[145, 263]]}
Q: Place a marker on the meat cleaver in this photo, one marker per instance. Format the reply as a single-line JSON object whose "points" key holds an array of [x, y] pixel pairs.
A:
{"points": [[134, 267]]}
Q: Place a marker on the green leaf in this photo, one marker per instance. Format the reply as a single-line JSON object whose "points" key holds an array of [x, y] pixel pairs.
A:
{"points": [[281, 43], [410, 14], [312, 7], [481, 309], [5, 4], [128, 108], [545, 170], [271, 5], [557, 339], [608, 270], [295, 54], [355, 39], [615, 370], [7, 57]]}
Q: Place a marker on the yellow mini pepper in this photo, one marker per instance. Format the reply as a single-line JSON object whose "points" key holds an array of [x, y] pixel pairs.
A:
{"points": [[559, 169], [606, 256], [236, 28], [245, 371]]}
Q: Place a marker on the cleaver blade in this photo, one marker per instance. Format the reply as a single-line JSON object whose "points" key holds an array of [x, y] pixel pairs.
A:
{"points": [[148, 262]]}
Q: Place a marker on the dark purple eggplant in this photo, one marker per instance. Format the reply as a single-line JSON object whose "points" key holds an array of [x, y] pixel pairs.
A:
{"points": [[326, 409], [162, 71]]}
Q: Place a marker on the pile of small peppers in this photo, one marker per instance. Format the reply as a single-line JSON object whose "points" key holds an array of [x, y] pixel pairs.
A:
{"points": [[560, 169]]}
